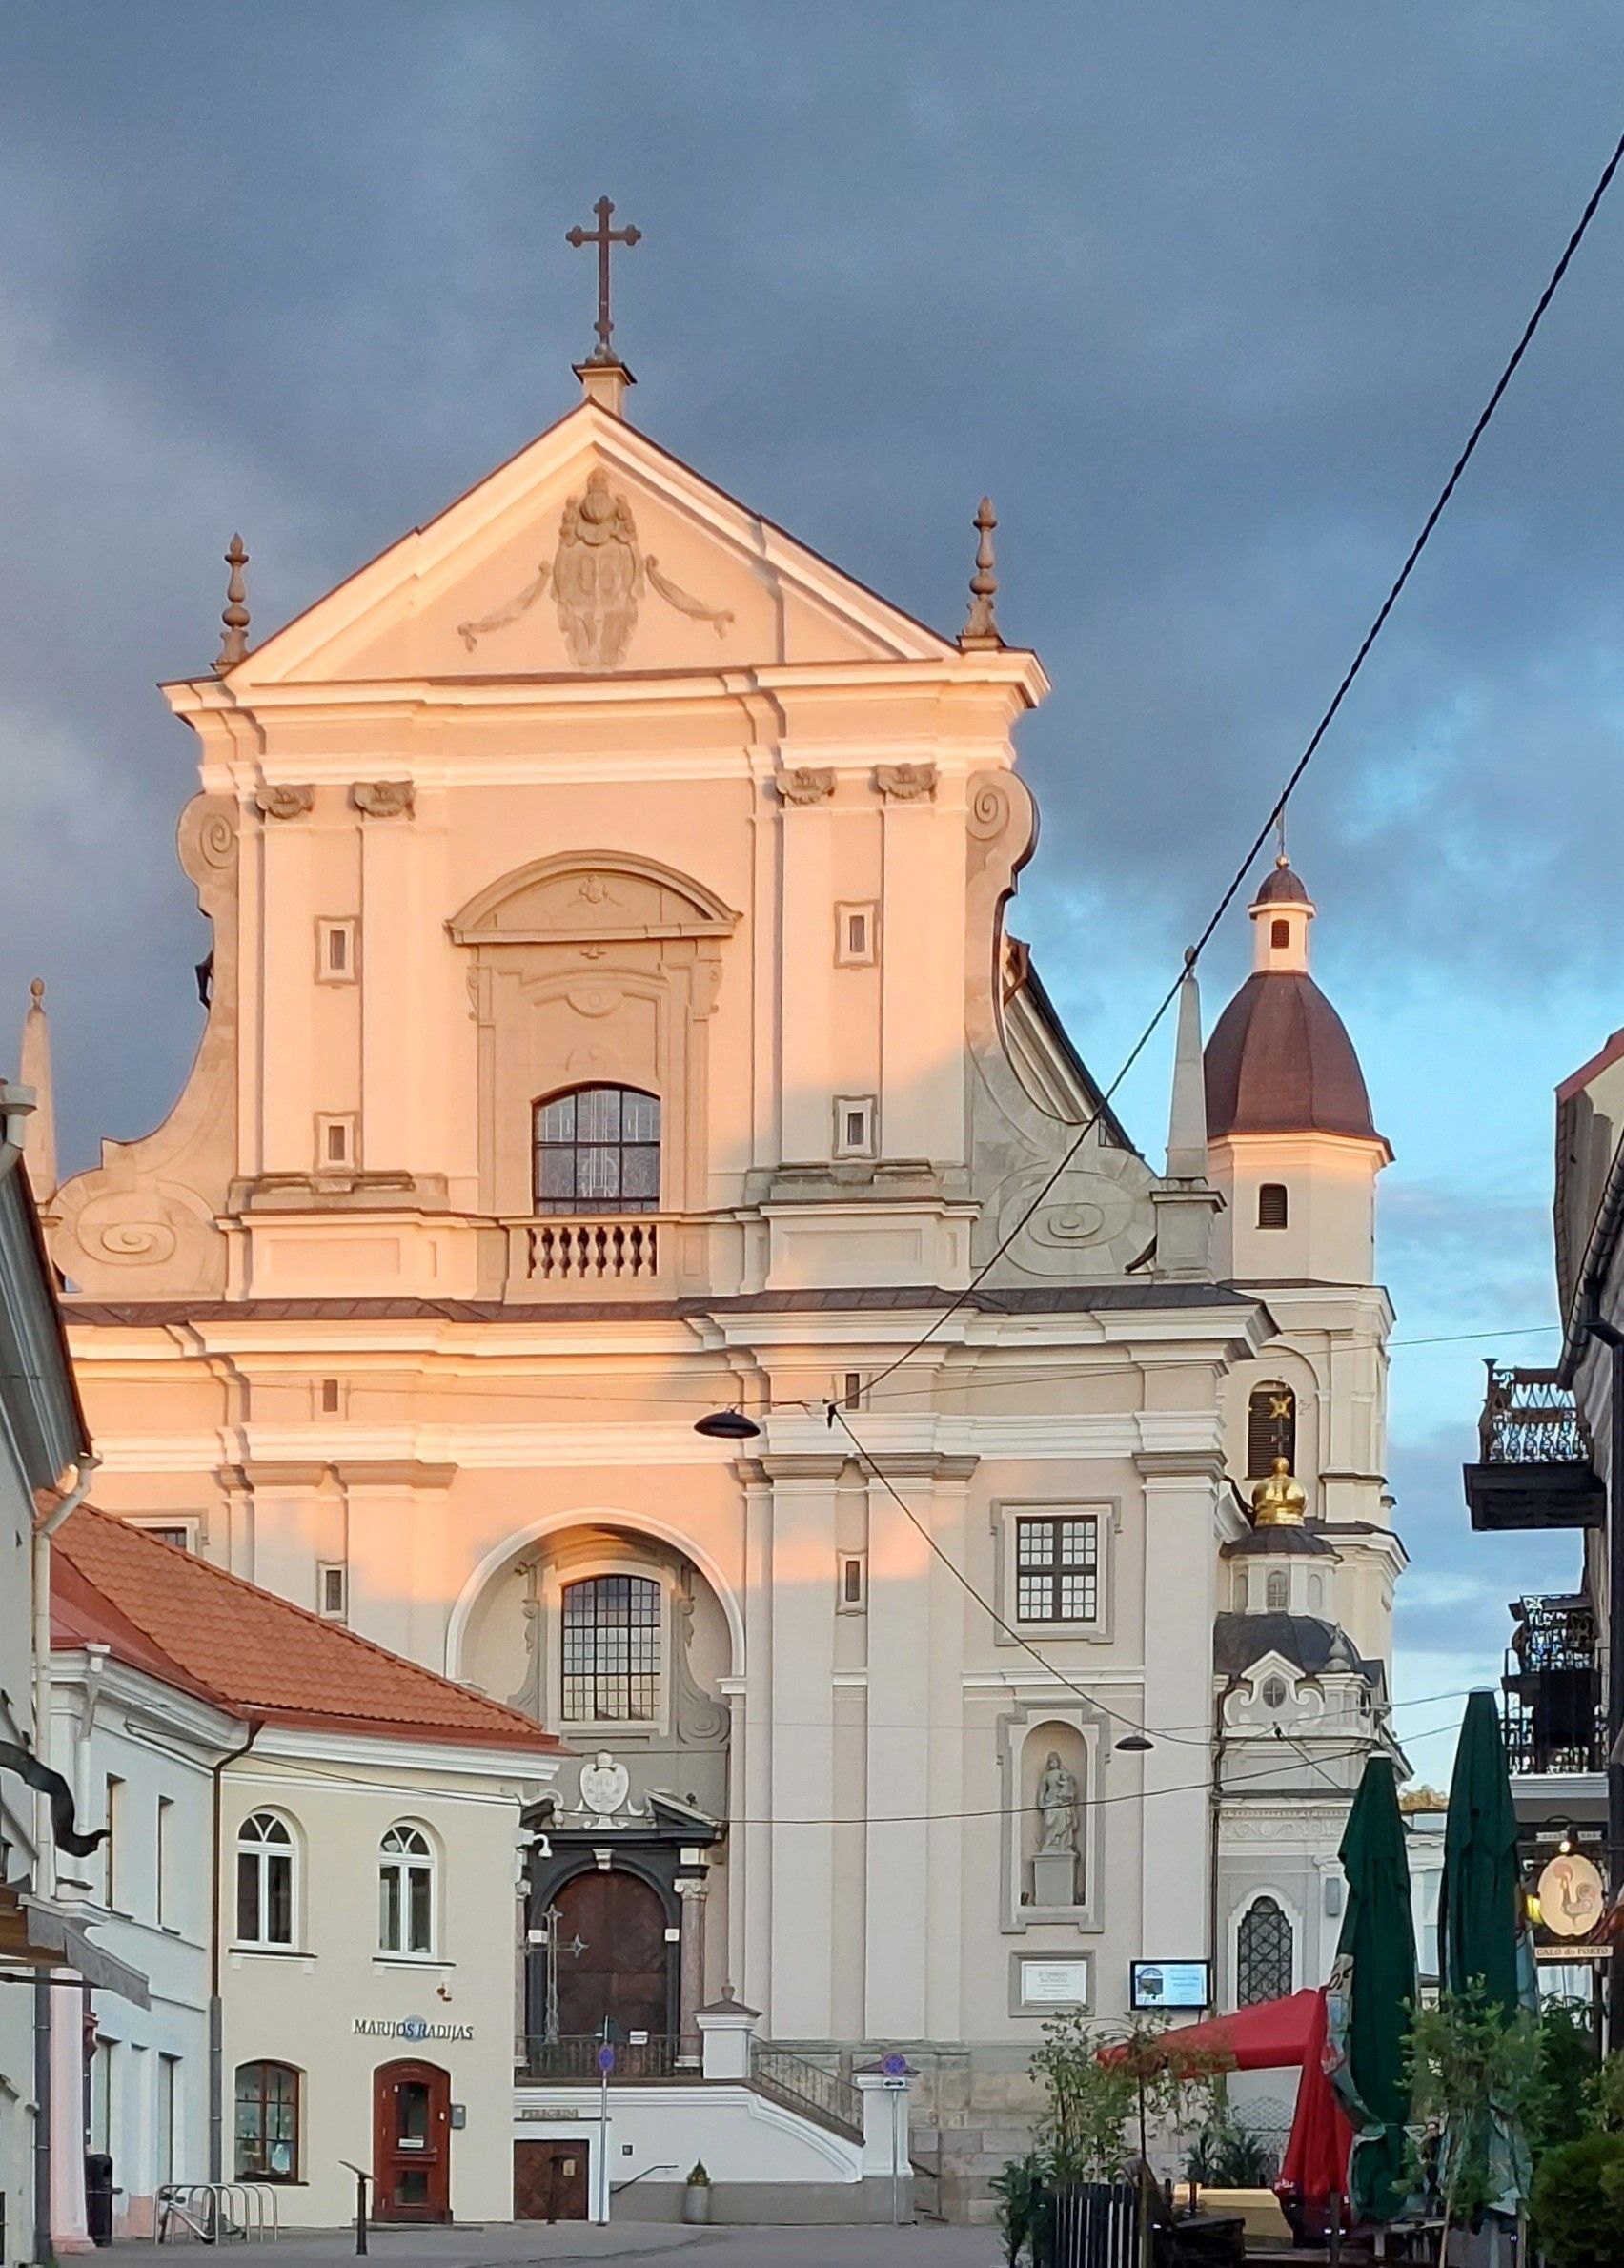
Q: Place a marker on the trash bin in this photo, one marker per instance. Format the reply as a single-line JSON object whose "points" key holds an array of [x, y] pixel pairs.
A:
{"points": [[98, 2195]]}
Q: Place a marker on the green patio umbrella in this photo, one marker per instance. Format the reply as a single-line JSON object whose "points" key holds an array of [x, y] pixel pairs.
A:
{"points": [[1480, 1899], [1483, 1946], [1372, 1984]]}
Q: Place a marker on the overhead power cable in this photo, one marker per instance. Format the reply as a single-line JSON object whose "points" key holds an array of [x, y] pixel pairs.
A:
{"points": [[1277, 810]]}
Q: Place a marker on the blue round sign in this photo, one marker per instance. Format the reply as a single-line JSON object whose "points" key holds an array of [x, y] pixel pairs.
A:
{"points": [[606, 2058], [894, 2066]]}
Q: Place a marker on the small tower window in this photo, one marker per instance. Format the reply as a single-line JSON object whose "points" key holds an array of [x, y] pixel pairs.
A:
{"points": [[1272, 1428], [1276, 1593], [1274, 1693], [1272, 1209], [1279, 933]]}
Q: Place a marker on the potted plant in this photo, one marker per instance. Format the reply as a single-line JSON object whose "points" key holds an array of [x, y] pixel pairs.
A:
{"points": [[697, 2193]]}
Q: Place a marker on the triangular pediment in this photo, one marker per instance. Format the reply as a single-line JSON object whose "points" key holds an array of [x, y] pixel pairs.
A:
{"points": [[595, 553]]}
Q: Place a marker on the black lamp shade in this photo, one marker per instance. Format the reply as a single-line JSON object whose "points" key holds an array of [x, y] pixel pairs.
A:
{"points": [[727, 1425]]}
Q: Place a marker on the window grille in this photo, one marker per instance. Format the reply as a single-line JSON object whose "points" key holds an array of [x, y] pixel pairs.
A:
{"points": [[597, 1150], [1057, 1569], [1272, 1207], [1264, 1950], [611, 1631]]}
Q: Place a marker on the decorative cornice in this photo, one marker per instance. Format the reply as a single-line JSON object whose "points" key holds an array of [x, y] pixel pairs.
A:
{"points": [[279, 801], [806, 784], [384, 799], [905, 783]]}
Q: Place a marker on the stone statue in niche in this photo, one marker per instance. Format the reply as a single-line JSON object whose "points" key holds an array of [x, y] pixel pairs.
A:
{"points": [[1057, 1807], [1054, 1864], [598, 575]]}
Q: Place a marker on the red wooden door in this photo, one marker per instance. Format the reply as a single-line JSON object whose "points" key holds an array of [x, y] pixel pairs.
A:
{"points": [[410, 2142], [621, 1975]]}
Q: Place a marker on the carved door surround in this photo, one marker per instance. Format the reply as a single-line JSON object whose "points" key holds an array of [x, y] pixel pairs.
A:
{"points": [[593, 967]]}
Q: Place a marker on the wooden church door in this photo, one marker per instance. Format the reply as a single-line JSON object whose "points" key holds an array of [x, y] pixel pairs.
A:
{"points": [[621, 1975]]}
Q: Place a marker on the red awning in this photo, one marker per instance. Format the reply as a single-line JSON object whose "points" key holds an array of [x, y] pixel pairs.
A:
{"points": [[1272, 2035]]}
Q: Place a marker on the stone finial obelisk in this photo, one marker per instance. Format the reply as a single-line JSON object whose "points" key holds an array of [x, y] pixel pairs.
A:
{"points": [[34, 1070], [233, 644], [1185, 1201], [1187, 1120], [979, 633]]}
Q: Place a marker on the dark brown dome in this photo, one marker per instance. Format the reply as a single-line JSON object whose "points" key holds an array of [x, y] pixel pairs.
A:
{"points": [[1280, 1061], [1281, 883]]}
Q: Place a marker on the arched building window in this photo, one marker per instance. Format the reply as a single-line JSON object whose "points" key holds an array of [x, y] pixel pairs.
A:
{"points": [[405, 1891], [1272, 1207], [597, 1151], [1272, 1428], [267, 2123], [265, 1880], [611, 1634], [1263, 1954], [1277, 1591]]}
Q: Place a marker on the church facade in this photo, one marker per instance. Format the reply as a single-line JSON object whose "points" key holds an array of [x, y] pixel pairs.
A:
{"points": [[612, 1020]]}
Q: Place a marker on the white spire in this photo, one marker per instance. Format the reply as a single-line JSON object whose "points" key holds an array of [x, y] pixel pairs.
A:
{"points": [[1187, 1123], [39, 1139]]}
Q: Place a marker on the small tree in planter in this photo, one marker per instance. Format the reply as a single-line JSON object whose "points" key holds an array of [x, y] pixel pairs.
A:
{"points": [[697, 2194], [1479, 2078]]}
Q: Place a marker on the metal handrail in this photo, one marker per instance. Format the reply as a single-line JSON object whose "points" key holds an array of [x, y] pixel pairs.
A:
{"points": [[802, 2085]]}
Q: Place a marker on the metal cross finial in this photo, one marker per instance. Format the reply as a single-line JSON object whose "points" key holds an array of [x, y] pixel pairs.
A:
{"points": [[1280, 857], [603, 236], [233, 645], [980, 625]]}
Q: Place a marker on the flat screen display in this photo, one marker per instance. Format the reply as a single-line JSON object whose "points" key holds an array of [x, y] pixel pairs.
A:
{"points": [[1170, 1984]]}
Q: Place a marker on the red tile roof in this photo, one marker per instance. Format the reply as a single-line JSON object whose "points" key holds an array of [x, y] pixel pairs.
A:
{"points": [[182, 1619]]}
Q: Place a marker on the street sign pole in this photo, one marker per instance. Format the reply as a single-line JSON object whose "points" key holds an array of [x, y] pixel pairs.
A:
{"points": [[605, 2065]]}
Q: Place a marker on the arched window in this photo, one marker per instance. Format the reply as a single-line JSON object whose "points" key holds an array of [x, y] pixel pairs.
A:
{"points": [[265, 1881], [1279, 933], [1272, 1428], [597, 1150], [1277, 1591], [1272, 1208], [1263, 1954], [611, 1627], [405, 1891], [267, 2123]]}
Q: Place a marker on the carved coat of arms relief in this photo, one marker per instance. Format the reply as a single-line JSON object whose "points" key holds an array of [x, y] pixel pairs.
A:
{"points": [[597, 573]]}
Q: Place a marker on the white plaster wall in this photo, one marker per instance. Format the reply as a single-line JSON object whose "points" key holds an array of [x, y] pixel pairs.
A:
{"points": [[300, 2007], [738, 2136], [16, 1828], [159, 1745]]}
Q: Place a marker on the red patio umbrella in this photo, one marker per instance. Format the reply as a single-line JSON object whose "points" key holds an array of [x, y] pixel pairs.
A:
{"points": [[1316, 2164], [1271, 2036]]}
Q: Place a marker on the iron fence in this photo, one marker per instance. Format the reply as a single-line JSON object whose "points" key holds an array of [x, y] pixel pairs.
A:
{"points": [[574, 2056]]}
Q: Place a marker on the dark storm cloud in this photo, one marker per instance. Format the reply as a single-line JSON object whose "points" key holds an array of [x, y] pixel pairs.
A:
{"points": [[1208, 296]]}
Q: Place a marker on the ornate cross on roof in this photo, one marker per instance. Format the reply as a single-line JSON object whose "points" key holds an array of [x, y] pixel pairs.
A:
{"points": [[603, 236]]}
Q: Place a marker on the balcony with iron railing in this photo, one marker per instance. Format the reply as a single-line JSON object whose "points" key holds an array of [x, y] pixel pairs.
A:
{"points": [[573, 2056], [1552, 1712], [1533, 1466]]}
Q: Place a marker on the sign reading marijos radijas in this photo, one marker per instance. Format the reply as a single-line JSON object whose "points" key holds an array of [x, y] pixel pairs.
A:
{"points": [[408, 2028]]}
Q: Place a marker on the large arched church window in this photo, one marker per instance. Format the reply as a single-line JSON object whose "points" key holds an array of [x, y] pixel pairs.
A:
{"points": [[1263, 1954], [1272, 1428], [611, 1651], [597, 1150]]}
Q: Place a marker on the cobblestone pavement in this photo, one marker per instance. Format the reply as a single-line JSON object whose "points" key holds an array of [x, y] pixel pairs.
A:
{"points": [[512, 2245]]}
